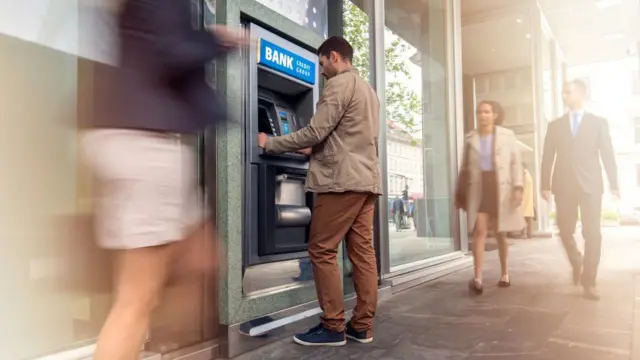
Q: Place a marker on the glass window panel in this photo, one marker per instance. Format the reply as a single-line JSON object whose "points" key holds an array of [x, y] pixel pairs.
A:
{"points": [[635, 83], [495, 82], [311, 14], [416, 111], [56, 283], [357, 25], [547, 77]]}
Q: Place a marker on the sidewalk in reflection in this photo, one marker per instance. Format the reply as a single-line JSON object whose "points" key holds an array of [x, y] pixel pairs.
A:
{"points": [[405, 247]]}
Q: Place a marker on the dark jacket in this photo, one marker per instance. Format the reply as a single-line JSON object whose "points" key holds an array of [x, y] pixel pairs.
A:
{"points": [[398, 206], [575, 161], [160, 82]]}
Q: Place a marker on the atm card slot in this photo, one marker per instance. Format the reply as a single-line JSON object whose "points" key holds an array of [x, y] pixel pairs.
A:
{"points": [[289, 155]]}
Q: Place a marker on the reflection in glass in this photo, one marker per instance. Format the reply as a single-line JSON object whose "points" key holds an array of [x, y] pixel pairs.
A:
{"points": [[312, 14], [276, 276], [547, 78], [356, 31], [56, 283], [419, 190]]}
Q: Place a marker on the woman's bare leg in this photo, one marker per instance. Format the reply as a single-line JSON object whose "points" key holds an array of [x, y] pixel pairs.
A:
{"points": [[197, 254], [529, 228], [479, 239], [139, 280], [503, 250]]}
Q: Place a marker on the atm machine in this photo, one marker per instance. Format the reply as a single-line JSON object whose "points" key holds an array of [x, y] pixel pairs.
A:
{"points": [[280, 94]]}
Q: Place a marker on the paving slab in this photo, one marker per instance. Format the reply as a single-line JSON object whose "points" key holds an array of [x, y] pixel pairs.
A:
{"points": [[541, 317]]}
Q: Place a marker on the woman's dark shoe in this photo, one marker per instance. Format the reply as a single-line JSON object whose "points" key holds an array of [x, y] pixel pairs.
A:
{"points": [[475, 287], [591, 294]]}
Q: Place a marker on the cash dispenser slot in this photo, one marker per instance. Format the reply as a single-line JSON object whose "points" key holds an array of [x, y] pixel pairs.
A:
{"points": [[291, 201], [285, 211]]}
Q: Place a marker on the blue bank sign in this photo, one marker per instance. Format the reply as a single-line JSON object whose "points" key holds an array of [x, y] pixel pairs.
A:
{"points": [[287, 62]]}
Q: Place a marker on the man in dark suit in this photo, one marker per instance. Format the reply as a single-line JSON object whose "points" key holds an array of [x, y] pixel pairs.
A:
{"points": [[573, 147]]}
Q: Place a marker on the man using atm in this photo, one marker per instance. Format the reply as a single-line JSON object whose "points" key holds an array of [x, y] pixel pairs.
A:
{"points": [[344, 172]]}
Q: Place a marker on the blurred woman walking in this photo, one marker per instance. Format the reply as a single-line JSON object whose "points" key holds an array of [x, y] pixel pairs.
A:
{"points": [[139, 139], [490, 187]]}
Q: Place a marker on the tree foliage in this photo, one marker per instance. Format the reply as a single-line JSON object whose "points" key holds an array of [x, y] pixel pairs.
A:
{"points": [[402, 103]]}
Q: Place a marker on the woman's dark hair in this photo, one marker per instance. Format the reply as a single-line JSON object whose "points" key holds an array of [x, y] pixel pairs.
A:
{"points": [[497, 109]]}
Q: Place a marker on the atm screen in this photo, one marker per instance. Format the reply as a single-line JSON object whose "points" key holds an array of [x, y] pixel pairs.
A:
{"points": [[285, 123], [264, 123]]}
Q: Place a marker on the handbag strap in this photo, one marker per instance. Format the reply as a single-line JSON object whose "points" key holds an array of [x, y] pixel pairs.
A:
{"points": [[465, 157]]}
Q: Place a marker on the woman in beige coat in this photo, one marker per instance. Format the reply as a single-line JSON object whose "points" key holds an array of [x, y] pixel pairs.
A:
{"points": [[493, 184]]}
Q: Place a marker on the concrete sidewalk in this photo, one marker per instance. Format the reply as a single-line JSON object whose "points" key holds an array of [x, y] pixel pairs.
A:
{"points": [[541, 317]]}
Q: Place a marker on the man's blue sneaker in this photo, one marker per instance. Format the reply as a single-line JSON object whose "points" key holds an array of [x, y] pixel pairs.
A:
{"points": [[363, 337], [321, 336]]}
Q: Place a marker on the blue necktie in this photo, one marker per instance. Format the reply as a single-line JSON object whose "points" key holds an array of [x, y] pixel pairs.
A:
{"points": [[575, 122]]}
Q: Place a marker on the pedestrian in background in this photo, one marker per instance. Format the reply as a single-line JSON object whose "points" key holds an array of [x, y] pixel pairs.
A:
{"points": [[490, 187], [527, 203], [573, 148]]}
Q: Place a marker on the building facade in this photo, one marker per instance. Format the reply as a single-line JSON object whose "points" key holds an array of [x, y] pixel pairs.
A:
{"points": [[57, 283]]}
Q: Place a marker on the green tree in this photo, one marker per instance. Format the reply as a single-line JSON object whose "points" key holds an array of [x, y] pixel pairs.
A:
{"points": [[402, 103]]}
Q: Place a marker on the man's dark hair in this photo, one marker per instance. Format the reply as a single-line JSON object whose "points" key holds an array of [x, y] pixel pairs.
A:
{"points": [[581, 85], [337, 44]]}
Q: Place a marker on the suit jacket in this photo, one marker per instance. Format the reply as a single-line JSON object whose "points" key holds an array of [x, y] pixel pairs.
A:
{"points": [[509, 173], [159, 83], [575, 161]]}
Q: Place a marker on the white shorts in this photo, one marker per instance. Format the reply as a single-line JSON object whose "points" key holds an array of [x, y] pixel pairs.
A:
{"points": [[147, 192]]}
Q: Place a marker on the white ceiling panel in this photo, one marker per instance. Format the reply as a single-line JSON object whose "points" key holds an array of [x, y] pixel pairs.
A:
{"points": [[496, 45], [590, 30], [587, 31]]}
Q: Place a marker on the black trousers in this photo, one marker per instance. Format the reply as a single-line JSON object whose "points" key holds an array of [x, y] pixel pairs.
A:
{"points": [[590, 206]]}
